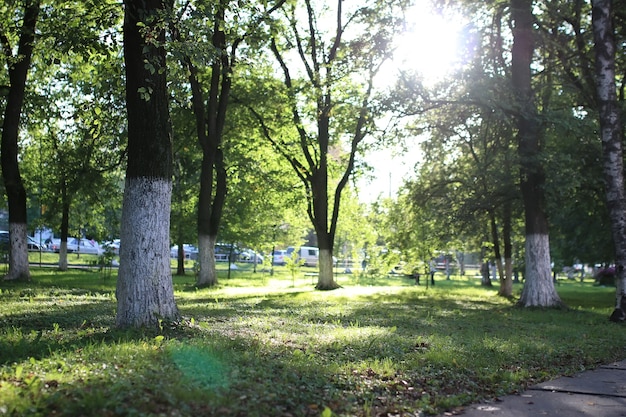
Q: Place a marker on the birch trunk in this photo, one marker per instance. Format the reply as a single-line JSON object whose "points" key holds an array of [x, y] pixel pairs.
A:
{"points": [[612, 148]]}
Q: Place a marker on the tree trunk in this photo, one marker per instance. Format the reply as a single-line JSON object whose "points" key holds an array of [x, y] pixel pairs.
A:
{"points": [[178, 226], [16, 194], [145, 293], [485, 279], [180, 258], [144, 289], [612, 147], [210, 207], [539, 288], [506, 281], [63, 265], [495, 237], [207, 275], [209, 128], [65, 216], [326, 277], [319, 217]]}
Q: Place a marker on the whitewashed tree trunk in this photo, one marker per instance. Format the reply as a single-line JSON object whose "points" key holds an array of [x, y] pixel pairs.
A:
{"points": [[18, 253], [144, 287], [612, 147], [63, 256], [145, 293], [538, 291], [326, 273], [207, 274], [20, 60]]}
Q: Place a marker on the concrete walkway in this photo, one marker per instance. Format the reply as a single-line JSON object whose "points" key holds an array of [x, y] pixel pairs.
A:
{"points": [[597, 393]]}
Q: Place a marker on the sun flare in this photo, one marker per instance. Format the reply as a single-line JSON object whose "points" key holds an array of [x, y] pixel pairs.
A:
{"points": [[430, 43]]}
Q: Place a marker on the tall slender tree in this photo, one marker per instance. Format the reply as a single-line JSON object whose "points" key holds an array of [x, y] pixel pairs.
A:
{"points": [[144, 288], [539, 288], [210, 106], [612, 143], [18, 66], [332, 102]]}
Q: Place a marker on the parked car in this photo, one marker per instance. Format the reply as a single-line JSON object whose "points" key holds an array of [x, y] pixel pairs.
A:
{"points": [[76, 245], [86, 246], [308, 254], [113, 245], [33, 245], [190, 251], [225, 251], [248, 255], [280, 257]]}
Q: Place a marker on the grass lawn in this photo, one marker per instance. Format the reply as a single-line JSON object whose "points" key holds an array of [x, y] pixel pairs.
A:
{"points": [[261, 345]]}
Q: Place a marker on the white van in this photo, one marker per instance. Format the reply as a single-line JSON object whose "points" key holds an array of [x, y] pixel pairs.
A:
{"points": [[308, 254]]}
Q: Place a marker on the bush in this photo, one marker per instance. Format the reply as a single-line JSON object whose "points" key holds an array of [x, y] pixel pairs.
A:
{"points": [[606, 277]]}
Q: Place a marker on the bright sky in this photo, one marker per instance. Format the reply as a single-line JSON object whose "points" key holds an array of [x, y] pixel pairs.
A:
{"points": [[430, 43], [429, 46]]}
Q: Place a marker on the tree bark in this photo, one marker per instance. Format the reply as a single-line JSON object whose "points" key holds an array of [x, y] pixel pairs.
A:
{"points": [[180, 259], [145, 293], [9, 151], [319, 200], [495, 238], [539, 288], [612, 147], [506, 281], [65, 225], [207, 275]]}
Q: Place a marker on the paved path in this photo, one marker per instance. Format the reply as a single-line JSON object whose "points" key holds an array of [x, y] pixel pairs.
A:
{"points": [[597, 393]]}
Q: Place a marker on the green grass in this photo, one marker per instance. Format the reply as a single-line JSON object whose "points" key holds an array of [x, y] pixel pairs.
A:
{"points": [[261, 345]]}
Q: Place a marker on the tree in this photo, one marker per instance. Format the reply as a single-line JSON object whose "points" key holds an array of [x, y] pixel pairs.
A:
{"points": [[539, 288], [18, 66], [185, 186], [612, 148], [580, 213], [75, 121], [473, 186], [332, 104], [210, 109], [145, 292], [71, 80], [264, 207]]}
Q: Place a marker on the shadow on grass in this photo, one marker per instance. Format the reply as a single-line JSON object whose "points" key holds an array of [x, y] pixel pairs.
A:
{"points": [[358, 351]]}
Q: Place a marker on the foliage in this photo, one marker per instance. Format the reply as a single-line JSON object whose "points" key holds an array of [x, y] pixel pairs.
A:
{"points": [[329, 71], [294, 264], [71, 129], [249, 348]]}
